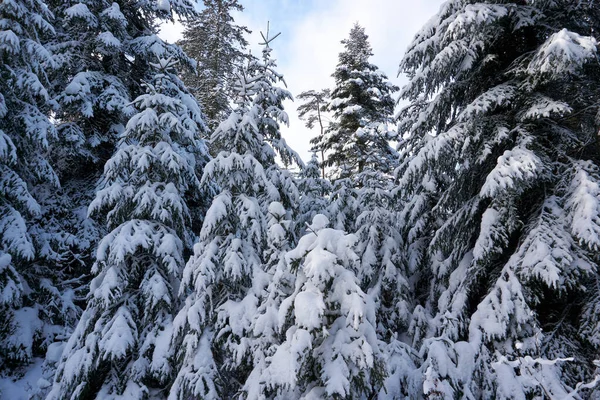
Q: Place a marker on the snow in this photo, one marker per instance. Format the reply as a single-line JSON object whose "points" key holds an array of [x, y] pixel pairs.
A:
{"points": [[488, 233], [126, 239], [16, 240], [119, 335], [287, 360], [109, 40], [584, 204], [319, 222], [9, 42], [10, 291], [114, 12], [503, 306], [163, 5], [27, 328], [429, 281], [545, 107], [80, 10], [218, 211], [495, 97], [563, 52], [24, 387], [514, 168], [308, 309]]}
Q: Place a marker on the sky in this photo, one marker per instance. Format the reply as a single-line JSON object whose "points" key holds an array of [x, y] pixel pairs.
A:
{"points": [[308, 47]]}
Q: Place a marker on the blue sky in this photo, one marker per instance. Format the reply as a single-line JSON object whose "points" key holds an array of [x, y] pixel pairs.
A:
{"points": [[311, 31]]}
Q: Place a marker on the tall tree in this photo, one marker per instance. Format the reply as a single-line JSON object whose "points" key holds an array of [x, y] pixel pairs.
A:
{"points": [[500, 163], [224, 281], [362, 108], [120, 346], [101, 52], [25, 134], [104, 50], [217, 44], [312, 111]]}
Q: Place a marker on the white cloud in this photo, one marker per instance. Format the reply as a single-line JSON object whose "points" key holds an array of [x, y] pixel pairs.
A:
{"points": [[307, 51]]}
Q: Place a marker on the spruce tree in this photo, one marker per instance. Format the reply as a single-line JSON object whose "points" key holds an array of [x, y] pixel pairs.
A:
{"points": [[217, 44], [224, 282], [120, 348], [356, 142], [500, 162], [104, 50], [362, 107], [330, 348], [314, 191], [100, 54], [25, 135]]}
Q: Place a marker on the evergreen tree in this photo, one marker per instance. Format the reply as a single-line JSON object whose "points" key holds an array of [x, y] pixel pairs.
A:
{"points": [[383, 270], [278, 280], [343, 207], [25, 135], [101, 51], [362, 107], [104, 50], [330, 348], [224, 282], [313, 111], [217, 44], [120, 347], [500, 162], [313, 193]]}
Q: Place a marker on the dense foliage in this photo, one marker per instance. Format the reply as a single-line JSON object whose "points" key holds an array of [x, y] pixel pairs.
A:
{"points": [[160, 240]]}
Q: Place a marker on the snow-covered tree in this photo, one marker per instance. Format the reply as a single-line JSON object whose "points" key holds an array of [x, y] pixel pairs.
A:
{"points": [[224, 282], [25, 134], [276, 284], [314, 191], [120, 348], [342, 209], [383, 271], [362, 108], [330, 348], [384, 274], [103, 51], [217, 44], [500, 190]]}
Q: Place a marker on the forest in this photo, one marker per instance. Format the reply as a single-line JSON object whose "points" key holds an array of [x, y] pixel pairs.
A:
{"points": [[159, 238]]}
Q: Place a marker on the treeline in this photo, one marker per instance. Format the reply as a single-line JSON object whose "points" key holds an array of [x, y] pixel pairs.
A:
{"points": [[155, 244]]}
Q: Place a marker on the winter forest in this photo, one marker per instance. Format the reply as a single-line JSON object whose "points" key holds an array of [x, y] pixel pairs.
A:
{"points": [[159, 238]]}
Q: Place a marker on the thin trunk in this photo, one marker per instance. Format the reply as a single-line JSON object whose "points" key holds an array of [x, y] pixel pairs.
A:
{"points": [[322, 133]]}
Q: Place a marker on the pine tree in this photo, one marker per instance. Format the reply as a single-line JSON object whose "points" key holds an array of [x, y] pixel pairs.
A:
{"points": [[101, 51], [104, 50], [356, 141], [330, 347], [217, 44], [121, 344], [25, 135], [265, 335], [383, 269], [500, 161], [224, 282], [362, 107], [313, 111], [314, 191]]}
